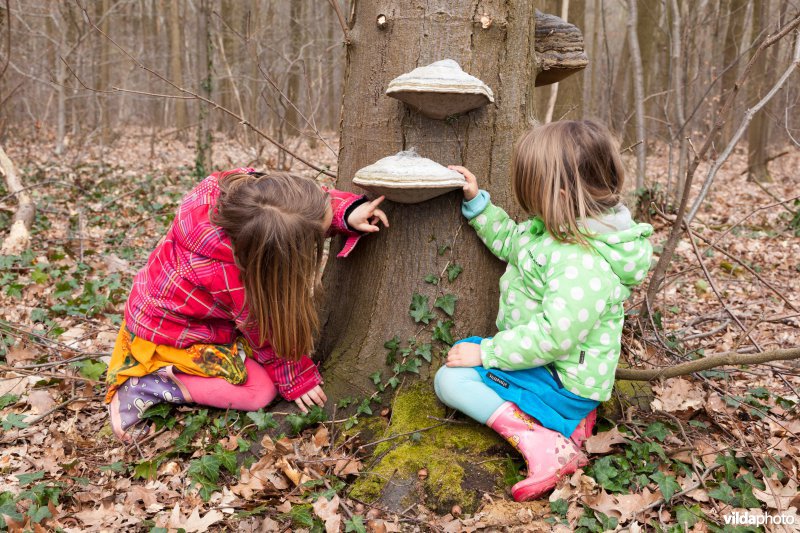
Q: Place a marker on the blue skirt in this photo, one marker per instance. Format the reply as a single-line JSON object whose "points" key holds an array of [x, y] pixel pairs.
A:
{"points": [[539, 392]]}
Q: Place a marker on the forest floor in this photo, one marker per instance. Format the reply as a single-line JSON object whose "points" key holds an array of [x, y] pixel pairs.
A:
{"points": [[715, 443]]}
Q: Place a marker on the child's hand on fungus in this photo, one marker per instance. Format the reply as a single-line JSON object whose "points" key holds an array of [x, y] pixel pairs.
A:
{"points": [[315, 396], [471, 187], [465, 354], [366, 216]]}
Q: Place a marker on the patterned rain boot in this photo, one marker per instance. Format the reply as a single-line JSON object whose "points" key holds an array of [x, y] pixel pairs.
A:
{"points": [[137, 395], [584, 429], [548, 454]]}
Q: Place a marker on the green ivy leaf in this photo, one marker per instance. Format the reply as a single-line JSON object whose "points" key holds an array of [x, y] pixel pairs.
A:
{"points": [[38, 513], [687, 516], [161, 410], [559, 507], [14, 420], [355, 525], [227, 459], [433, 279], [146, 470], [392, 345], [420, 309], [443, 248], [91, 369], [446, 303], [376, 377], [8, 399], [393, 382], [117, 466], [453, 271], [27, 479], [206, 467], [262, 420], [656, 430], [729, 463], [364, 408], [424, 351], [442, 332], [667, 484], [723, 493]]}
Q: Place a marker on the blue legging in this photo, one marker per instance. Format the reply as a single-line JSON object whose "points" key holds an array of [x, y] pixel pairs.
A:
{"points": [[462, 388]]}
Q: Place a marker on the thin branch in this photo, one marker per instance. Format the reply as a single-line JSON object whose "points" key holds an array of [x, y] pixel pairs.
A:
{"points": [[748, 117], [335, 5], [716, 290], [657, 279], [706, 363]]}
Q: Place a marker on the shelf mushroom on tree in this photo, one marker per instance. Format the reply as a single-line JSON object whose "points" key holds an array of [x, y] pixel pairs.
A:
{"points": [[367, 295]]}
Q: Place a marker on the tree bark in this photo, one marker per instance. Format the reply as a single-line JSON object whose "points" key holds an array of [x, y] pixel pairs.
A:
{"points": [[176, 62], [638, 94], [369, 293], [737, 9], [763, 73], [204, 60]]}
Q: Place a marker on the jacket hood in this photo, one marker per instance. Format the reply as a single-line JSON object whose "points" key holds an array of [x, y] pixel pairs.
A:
{"points": [[622, 243]]}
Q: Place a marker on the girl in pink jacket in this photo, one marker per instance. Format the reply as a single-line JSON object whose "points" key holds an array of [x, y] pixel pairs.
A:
{"points": [[223, 313]]}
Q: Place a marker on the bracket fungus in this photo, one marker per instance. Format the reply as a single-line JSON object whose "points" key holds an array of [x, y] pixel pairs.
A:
{"points": [[440, 90], [408, 178], [559, 49]]}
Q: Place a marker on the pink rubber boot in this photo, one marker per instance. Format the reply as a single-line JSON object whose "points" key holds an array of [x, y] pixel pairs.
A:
{"points": [[584, 429], [548, 454]]}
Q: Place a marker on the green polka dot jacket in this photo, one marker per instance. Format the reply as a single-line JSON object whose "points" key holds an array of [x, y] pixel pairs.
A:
{"points": [[561, 303]]}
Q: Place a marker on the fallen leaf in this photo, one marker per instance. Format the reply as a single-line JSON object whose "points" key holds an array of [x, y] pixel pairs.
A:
{"points": [[602, 442], [328, 511], [19, 354], [622, 506], [678, 395], [194, 522], [777, 496], [40, 401]]}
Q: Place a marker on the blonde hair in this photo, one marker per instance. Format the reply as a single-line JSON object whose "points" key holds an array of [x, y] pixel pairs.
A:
{"points": [[275, 223], [565, 171]]}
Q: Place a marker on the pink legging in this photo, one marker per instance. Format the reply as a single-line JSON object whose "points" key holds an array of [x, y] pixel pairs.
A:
{"points": [[257, 392]]}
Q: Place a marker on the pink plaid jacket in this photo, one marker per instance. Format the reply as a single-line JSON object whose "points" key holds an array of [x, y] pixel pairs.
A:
{"points": [[189, 292]]}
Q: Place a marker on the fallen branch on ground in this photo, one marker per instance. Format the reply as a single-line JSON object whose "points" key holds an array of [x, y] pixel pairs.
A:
{"points": [[707, 363]]}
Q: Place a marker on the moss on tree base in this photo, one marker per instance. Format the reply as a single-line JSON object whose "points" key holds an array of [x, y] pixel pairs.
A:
{"points": [[459, 460]]}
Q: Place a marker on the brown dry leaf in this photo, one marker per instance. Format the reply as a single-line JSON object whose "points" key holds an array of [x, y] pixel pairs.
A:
{"points": [[328, 511], [321, 437], [777, 496], [676, 395], [602, 442], [262, 476], [699, 494], [622, 506], [40, 401], [346, 467], [19, 353], [292, 473], [194, 522]]}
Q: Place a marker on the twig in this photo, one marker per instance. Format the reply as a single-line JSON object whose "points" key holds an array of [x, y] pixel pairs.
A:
{"points": [[748, 117], [657, 279], [392, 437], [53, 410], [335, 5], [712, 361], [716, 291], [4, 368]]}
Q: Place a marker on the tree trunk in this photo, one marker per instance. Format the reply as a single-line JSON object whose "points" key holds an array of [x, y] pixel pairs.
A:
{"points": [[176, 63], [638, 94], [762, 79], [204, 59], [368, 294], [736, 11]]}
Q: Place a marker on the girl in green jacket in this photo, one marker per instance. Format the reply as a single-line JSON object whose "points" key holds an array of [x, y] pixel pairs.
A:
{"points": [[540, 378]]}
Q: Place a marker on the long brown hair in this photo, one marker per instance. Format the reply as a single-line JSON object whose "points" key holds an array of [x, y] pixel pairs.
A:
{"points": [[565, 171], [275, 223]]}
